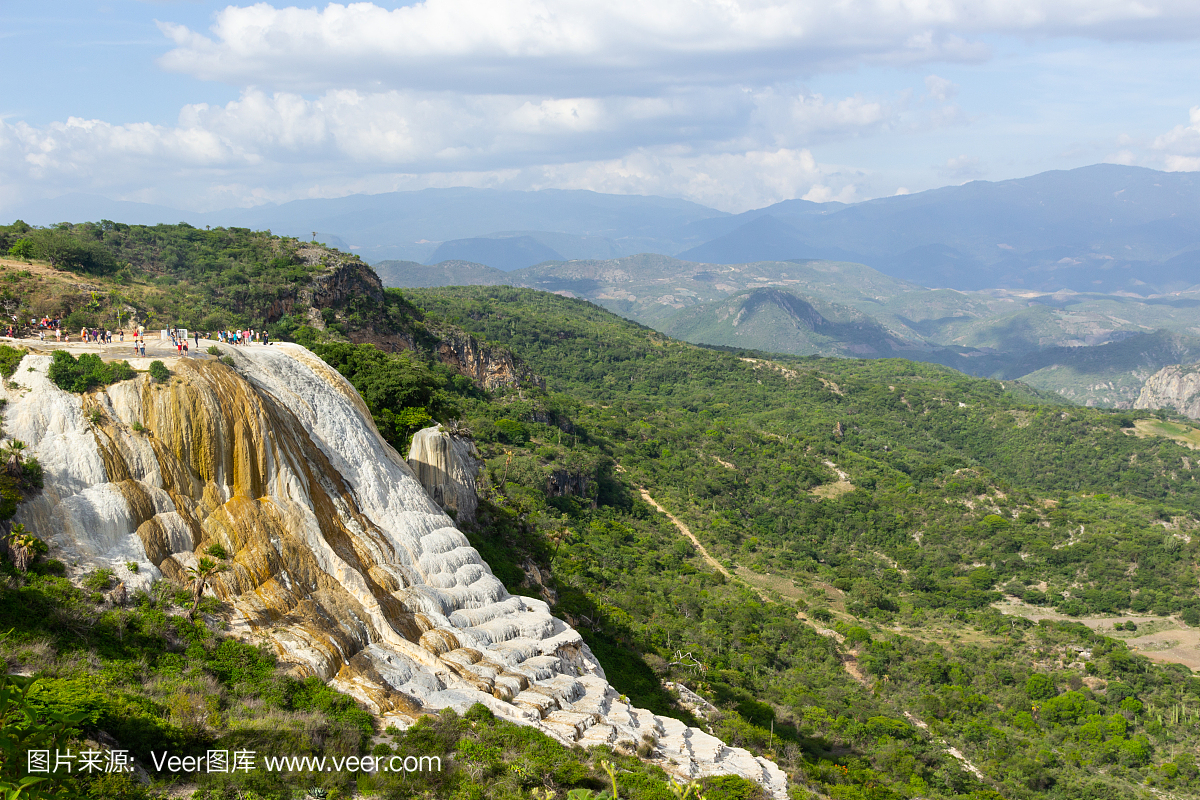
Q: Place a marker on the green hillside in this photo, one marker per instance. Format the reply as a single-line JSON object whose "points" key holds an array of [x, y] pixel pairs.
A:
{"points": [[776, 321], [957, 492]]}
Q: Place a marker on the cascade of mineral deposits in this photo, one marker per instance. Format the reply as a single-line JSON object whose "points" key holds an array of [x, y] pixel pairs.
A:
{"points": [[338, 557]]}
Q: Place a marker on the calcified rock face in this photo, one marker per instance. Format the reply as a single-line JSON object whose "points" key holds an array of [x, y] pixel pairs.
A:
{"points": [[339, 558], [446, 465], [1175, 387]]}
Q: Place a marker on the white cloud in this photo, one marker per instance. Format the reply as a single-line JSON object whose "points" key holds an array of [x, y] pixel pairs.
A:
{"points": [[283, 146], [1180, 146], [691, 98], [800, 119], [940, 88], [962, 168], [599, 45]]}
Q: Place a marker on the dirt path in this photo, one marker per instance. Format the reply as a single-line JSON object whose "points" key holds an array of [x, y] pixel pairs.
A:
{"points": [[712, 562], [760, 583], [836, 489], [953, 751]]}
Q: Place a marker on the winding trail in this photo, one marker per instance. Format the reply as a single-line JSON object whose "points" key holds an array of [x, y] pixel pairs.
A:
{"points": [[712, 562], [752, 579], [849, 659]]}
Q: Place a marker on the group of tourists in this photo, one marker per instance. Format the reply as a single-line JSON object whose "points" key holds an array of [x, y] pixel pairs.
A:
{"points": [[98, 336], [103, 336], [243, 337]]}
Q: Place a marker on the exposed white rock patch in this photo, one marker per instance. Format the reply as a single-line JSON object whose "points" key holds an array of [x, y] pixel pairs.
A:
{"points": [[446, 464]]}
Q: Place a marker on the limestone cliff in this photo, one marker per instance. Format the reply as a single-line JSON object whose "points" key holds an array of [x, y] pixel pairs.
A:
{"points": [[339, 559], [491, 367], [446, 464], [1176, 387]]}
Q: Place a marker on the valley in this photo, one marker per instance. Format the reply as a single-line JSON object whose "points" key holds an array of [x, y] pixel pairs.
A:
{"points": [[1092, 349]]}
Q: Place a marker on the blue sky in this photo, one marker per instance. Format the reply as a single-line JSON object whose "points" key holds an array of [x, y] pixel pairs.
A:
{"points": [[730, 103]]}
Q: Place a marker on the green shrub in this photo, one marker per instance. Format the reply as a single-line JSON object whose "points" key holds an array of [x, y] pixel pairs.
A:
{"points": [[855, 634], [100, 580], [86, 372], [216, 551], [227, 361], [1039, 687], [10, 357], [213, 350], [512, 431], [159, 372], [22, 249]]}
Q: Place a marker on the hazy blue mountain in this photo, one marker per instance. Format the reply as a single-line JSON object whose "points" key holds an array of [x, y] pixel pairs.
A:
{"points": [[505, 254], [1099, 228], [411, 275], [411, 225], [1103, 228], [763, 238]]}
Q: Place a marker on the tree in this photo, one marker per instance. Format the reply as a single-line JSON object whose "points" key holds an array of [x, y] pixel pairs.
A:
{"points": [[66, 251], [22, 249], [200, 575]]}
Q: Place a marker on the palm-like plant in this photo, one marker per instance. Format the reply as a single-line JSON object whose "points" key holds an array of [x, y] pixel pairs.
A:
{"points": [[14, 461], [205, 570], [24, 547]]}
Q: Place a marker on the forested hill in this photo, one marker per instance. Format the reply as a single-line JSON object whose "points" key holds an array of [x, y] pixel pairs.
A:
{"points": [[891, 501]]}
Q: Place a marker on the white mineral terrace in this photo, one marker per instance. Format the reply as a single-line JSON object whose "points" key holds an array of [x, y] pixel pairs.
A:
{"points": [[338, 557]]}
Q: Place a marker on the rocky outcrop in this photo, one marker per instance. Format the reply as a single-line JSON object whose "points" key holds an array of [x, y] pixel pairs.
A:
{"points": [[490, 367], [562, 482], [1176, 387], [447, 465], [343, 281], [338, 557]]}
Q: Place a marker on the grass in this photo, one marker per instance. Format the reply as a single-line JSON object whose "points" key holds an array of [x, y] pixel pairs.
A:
{"points": [[1183, 434]]}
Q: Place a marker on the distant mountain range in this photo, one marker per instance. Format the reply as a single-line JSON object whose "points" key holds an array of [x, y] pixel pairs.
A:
{"points": [[1093, 348], [1103, 228]]}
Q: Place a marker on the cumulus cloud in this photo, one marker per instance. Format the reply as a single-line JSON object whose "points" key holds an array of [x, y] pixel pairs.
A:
{"points": [[281, 146], [1180, 146], [508, 45], [940, 88], [691, 98]]}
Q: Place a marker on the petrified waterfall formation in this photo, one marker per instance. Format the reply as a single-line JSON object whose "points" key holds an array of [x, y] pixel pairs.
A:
{"points": [[446, 465], [339, 558]]}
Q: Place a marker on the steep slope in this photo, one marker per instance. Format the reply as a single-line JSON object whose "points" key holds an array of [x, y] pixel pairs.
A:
{"points": [[776, 321], [1176, 387], [503, 253], [339, 559], [411, 275], [940, 537]]}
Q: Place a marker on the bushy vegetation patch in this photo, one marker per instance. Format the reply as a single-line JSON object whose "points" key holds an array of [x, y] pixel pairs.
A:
{"points": [[86, 372]]}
